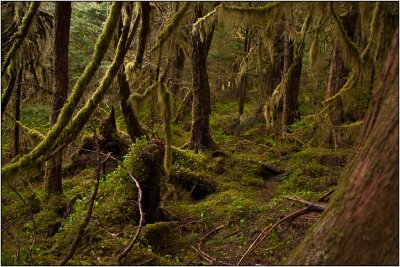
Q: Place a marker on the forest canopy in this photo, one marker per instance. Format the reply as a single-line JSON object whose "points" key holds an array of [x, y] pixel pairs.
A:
{"points": [[192, 133]]}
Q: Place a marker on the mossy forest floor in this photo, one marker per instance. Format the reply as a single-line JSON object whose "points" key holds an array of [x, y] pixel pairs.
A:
{"points": [[238, 194]]}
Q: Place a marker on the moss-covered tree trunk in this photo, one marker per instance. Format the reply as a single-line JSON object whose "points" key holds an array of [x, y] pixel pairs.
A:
{"points": [[17, 112], [243, 80], [7, 92], [201, 107], [290, 96], [62, 18], [338, 72], [361, 223], [273, 74], [133, 126]]}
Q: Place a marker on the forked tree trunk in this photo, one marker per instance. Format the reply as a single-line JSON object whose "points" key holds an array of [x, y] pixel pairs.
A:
{"points": [[361, 224], [201, 109], [62, 17]]}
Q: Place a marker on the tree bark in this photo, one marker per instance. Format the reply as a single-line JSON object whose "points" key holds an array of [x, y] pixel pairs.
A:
{"points": [[361, 224], [133, 126], [17, 109], [176, 73], [338, 72], [243, 80], [201, 108], [290, 96], [62, 17]]}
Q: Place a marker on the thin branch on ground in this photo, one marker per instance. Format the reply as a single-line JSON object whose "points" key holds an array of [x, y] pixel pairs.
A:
{"points": [[310, 207], [264, 233], [86, 221], [206, 256]]}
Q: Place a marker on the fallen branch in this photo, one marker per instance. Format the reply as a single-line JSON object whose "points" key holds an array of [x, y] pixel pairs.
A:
{"points": [[310, 207], [84, 224], [206, 256]]}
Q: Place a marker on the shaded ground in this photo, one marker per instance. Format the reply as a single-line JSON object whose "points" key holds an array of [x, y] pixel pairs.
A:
{"points": [[244, 201]]}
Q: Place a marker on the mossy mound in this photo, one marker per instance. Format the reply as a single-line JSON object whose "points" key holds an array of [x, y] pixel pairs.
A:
{"points": [[199, 184]]}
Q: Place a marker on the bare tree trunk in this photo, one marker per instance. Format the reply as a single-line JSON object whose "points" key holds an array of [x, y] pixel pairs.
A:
{"points": [[361, 224], [201, 107], [53, 179]]}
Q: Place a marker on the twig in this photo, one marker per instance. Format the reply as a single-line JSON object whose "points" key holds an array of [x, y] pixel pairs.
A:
{"points": [[311, 206], [141, 220], [203, 254], [86, 221]]}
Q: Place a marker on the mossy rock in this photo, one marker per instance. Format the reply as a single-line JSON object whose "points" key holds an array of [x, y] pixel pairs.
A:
{"points": [[199, 184]]}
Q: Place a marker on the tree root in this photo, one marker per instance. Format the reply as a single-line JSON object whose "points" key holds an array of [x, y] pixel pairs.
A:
{"points": [[310, 207]]}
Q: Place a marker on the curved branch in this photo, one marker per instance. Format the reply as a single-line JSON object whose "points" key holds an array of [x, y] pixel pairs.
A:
{"points": [[21, 34]]}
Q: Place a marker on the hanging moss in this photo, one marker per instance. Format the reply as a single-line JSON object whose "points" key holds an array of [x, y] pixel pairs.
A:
{"points": [[21, 34], [66, 113], [273, 102], [171, 27], [373, 31], [5, 97], [144, 31]]}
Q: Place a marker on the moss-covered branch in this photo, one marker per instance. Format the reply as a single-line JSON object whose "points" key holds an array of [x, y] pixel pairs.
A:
{"points": [[373, 30], [5, 97], [81, 118], [66, 113], [144, 31], [171, 27], [21, 34]]}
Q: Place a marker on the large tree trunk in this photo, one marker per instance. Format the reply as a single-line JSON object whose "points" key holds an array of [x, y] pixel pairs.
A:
{"points": [[361, 224], [338, 72], [201, 107], [290, 96], [62, 17]]}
